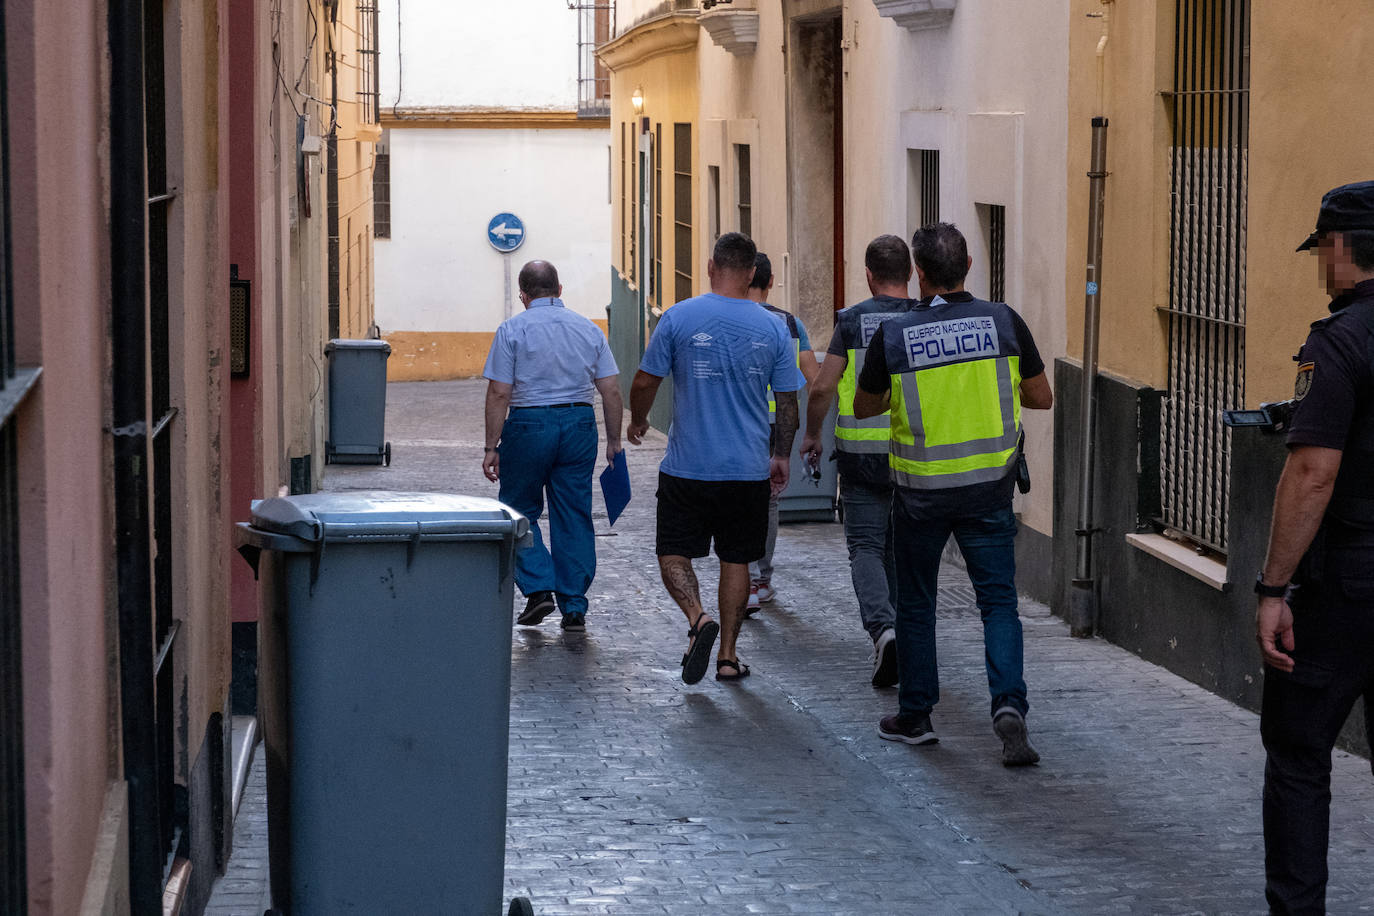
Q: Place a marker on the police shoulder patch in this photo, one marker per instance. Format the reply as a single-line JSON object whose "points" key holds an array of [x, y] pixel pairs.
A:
{"points": [[1303, 383]]}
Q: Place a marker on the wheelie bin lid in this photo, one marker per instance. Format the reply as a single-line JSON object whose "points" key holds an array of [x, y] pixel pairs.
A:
{"points": [[341, 343], [385, 515]]}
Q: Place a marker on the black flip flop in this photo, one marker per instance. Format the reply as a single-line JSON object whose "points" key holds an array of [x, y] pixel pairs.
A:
{"points": [[698, 657], [741, 670]]}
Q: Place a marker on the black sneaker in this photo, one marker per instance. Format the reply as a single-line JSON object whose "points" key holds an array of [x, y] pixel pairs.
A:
{"points": [[885, 659], [539, 606], [574, 623], [908, 729], [1010, 726]]}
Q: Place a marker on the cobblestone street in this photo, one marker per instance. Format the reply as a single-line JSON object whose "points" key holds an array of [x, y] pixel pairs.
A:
{"points": [[632, 793]]}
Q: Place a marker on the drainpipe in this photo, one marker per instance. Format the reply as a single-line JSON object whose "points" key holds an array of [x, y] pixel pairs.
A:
{"points": [[128, 301], [1083, 598]]}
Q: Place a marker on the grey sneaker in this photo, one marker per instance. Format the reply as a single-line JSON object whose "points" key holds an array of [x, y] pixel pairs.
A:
{"points": [[1010, 726], [539, 606], [885, 659], [908, 729]]}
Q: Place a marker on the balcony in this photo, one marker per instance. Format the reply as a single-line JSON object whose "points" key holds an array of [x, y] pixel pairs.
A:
{"points": [[732, 24], [918, 15]]}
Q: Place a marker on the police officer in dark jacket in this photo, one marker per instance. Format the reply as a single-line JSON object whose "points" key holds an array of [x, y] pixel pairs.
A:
{"points": [[1315, 620]]}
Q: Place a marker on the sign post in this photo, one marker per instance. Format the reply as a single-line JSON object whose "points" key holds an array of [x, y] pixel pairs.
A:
{"points": [[506, 233]]}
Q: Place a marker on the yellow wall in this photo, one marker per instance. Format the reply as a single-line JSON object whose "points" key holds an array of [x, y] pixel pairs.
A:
{"points": [[357, 156], [659, 58], [1310, 115], [1135, 265], [428, 356], [1308, 108]]}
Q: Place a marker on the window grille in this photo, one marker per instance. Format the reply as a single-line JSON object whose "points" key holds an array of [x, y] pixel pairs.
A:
{"points": [[1210, 103], [997, 253], [594, 23], [713, 202], [165, 625], [744, 190], [624, 206], [682, 211], [930, 186], [13, 857], [656, 276], [381, 195], [369, 76], [632, 266]]}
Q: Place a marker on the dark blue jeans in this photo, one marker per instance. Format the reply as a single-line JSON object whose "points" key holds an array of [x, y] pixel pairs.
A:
{"points": [[986, 541], [552, 451]]}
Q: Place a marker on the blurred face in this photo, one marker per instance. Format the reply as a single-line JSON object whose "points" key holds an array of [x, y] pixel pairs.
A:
{"points": [[1337, 267]]}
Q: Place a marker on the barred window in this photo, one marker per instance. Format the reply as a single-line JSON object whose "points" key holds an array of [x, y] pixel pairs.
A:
{"points": [[744, 190], [1207, 225], [593, 79], [682, 211], [381, 194], [369, 77]]}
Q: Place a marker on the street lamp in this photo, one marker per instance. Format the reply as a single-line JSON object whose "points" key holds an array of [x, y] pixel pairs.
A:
{"points": [[637, 100]]}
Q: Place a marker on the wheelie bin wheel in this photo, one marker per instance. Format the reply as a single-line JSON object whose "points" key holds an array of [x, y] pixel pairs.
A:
{"points": [[521, 906], [386, 455]]}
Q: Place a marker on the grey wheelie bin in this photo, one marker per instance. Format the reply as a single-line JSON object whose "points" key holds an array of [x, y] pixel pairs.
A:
{"points": [[384, 695], [357, 402], [807, 498]]}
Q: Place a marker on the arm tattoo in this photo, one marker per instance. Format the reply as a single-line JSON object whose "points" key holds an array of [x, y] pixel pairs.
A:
{"points": [[786, 427]]}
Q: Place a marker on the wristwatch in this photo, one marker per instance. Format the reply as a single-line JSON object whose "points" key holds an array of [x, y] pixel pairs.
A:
{"points": [[1269, 591]]}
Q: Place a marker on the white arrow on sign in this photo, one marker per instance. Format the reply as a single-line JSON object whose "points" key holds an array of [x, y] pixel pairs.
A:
{"points": [[502, 231]]}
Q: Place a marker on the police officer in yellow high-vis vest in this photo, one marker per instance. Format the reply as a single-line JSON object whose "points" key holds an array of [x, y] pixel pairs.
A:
{"points": [[955, 373], [861, 447]]}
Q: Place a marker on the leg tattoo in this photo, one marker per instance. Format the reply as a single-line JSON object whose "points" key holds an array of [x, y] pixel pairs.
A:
{"points": [[681, 581]]}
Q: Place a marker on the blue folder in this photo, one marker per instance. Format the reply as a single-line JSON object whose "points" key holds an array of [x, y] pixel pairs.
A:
{"points": [[615, 487]]}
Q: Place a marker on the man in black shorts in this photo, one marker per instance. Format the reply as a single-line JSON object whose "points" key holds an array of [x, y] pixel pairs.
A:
{"points": [[723, 352]]}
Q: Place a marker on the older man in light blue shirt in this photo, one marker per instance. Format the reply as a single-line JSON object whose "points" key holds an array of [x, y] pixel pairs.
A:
{"points": [[544, 366]]}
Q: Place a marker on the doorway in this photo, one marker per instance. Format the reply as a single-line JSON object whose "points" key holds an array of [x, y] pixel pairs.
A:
{"points": [[815, 135]]}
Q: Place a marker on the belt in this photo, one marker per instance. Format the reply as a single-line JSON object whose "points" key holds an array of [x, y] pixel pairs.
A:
{"points": [[553, 406]]}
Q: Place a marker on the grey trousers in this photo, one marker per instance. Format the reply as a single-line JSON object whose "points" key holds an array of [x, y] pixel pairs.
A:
{"points": [[762, 571], [868, 534]]}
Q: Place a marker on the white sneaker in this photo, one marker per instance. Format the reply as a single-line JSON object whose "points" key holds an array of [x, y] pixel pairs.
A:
{"points": [[885, 659], [765, 591], [752, 606]]}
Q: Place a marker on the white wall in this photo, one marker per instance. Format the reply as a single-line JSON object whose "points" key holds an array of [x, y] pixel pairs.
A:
{"points": [[439, 273], [505, 54]]}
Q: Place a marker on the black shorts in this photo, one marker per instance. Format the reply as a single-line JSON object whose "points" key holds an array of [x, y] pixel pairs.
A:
{"points": [[693, 513]]}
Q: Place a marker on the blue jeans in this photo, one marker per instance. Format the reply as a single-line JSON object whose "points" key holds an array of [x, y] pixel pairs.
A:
{"points": [[552, 450], [868, 534], [986, 542]]}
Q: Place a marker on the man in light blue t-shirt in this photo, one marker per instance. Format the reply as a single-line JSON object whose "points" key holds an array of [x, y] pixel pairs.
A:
{"points": [[723, 352]]}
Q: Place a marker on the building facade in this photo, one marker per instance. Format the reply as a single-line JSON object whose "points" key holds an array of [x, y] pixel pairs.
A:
{"points": [[1226, 122], [816, 125], [165, 304], [511, 120]]}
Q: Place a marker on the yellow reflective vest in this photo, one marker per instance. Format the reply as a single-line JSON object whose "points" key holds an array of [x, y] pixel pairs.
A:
{"points": [[790, 320], [955, 370], [856, 325]]}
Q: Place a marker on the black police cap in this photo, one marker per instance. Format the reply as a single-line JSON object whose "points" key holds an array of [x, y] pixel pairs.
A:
{"points": [[1351, 206]]}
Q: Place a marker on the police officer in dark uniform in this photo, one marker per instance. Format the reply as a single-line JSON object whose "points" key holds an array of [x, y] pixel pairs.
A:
{"points": [[1315, 619]]}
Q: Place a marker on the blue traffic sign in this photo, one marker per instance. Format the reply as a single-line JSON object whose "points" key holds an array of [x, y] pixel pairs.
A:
{"points": [[505, 232]]}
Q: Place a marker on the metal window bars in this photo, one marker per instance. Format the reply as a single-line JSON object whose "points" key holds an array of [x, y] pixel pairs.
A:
{"points": [[369, 76], [381, 195], [930, 186], [1206, 311], [595, 21], [13, 846], [682, 211], [997, 252]]}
